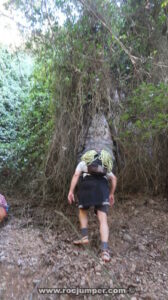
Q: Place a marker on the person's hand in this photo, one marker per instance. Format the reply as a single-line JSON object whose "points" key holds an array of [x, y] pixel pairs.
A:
{"points": [[111, 198], [71, 197]]}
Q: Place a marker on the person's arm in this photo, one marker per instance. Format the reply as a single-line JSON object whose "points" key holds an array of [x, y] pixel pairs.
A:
{"points": [[74, 182], [113, 183]]}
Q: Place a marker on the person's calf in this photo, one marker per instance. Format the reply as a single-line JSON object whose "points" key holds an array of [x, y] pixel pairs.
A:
{"points": [[104, 234], [83, 225], [104, 229], [83, 218]]}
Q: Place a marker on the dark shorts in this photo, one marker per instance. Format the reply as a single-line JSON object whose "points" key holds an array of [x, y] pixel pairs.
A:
{"points": [[93, 191], [103, 208]]}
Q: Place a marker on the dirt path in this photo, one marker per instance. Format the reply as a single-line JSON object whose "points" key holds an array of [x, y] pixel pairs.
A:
{"points": [[32, 257]]}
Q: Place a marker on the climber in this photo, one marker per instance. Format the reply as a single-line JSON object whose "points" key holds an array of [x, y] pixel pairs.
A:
{"points": [[3, 208], [95, 174]]}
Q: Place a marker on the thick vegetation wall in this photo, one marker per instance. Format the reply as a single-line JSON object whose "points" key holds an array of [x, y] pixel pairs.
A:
{"points": [[104, 59]]}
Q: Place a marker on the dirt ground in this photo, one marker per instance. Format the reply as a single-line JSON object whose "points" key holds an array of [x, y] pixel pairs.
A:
{"points": [[34, 257]]}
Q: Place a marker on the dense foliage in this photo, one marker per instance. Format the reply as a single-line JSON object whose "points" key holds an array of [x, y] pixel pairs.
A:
{"points": [[36, 122], [147, 111], [14, 86], [103, 49], [26, 118], [143, 132]]}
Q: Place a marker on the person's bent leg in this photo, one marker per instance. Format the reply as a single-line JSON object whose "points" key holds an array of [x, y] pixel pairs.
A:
{"points": [[104, 229], [104, 234], [83, 219]]}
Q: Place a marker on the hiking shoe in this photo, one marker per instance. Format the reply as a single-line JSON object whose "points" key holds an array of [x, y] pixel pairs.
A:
{"points": [[105, 256], [82, 241]]}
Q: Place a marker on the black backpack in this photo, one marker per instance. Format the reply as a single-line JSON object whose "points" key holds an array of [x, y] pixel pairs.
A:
{"points": [[96, 167]]}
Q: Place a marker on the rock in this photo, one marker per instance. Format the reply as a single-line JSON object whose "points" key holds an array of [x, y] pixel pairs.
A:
{"points": [[85, 266], [111, 282], [68, 269], [149, 297], [36, 282], [127, 237], [83, 281], [98, 268], [138, 279], [19, 262], [151, 201], [64, 297], [133, 268], [2, 258], [152, 255], [141, 247], [1, 293], [69, 251], [136, 212]]}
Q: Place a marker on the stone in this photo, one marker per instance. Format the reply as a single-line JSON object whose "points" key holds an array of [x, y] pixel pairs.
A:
{"points": [[136, 212], [141, 247], [20, 262], [133, 268], [138, 279], [83, 282], [127, 237], [36, 282], [111, 282], [98, 268], [151, 201]]}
